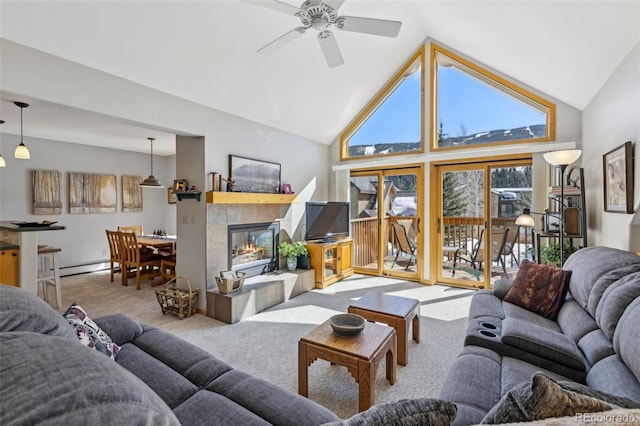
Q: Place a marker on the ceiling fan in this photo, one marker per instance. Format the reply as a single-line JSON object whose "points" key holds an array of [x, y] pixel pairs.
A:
{"points": [[320, 15]]}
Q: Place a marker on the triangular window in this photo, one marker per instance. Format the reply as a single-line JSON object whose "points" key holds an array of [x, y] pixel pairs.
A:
{"points": [[392, 123], [476, 107]]}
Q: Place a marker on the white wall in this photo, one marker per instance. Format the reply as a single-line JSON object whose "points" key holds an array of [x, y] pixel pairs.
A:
{"points": [[612, 118], [304, 162], [84, 240]]}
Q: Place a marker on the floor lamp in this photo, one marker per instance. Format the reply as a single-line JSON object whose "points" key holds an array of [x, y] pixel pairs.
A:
{"points": [[526, 220], [561, 159]]}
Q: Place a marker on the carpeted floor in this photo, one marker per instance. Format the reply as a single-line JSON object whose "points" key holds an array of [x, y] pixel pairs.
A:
{"points": [[265, 345]]}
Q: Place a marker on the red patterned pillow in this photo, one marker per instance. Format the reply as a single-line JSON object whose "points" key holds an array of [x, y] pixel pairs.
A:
{"points": [[539, 288]]}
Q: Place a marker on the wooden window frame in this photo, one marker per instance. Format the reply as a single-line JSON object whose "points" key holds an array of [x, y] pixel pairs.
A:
{"points": [[378, 100], [494, 81]]}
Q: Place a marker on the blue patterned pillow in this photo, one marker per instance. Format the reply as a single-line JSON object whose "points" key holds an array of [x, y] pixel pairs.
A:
{"points": [[89, 333]]}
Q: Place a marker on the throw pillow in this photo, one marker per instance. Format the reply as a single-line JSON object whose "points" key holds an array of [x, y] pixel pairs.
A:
{"points": [[542, 398], [539, 288], [405, 412], [89, 333]]}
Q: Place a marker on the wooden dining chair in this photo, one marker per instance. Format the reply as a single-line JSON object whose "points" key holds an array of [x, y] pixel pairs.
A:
{"points": [[143, 264], [137, 229], [115, 255]]}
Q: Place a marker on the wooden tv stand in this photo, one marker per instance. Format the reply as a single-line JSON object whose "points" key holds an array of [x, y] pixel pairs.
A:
{"points": [[331, 261]]}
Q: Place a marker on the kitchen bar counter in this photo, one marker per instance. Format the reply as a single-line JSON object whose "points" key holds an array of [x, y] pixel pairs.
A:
{"points": [[28, 246]]}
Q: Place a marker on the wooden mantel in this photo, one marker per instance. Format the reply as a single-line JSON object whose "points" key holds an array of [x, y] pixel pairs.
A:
{"points": [[218, 197]]}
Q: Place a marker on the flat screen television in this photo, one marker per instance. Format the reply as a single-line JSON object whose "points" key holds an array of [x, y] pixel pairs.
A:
{"points": [[326, 220]]}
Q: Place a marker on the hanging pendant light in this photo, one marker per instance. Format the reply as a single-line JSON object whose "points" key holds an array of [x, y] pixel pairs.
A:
{"points": [[152, 181], [2, 162], [21, 152]]}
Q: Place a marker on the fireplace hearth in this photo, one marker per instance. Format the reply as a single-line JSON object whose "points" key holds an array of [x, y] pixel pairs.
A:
{"points": [[253, 247]]}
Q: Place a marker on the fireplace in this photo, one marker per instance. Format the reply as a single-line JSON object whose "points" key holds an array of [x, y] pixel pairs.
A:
{"points": [[253, 247]]}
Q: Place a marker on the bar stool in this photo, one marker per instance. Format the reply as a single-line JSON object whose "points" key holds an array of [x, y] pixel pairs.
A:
{"points": [[48, 273]]}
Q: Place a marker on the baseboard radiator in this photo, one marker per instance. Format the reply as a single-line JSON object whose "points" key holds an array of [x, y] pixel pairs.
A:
{"points": [[85, 268]]}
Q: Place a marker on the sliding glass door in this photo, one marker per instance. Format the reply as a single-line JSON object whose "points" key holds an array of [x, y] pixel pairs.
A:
{"points": [[386, 211], [477, 239]]}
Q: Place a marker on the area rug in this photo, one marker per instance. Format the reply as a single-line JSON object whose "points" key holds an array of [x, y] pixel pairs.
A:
{"points": [[266, 345]]}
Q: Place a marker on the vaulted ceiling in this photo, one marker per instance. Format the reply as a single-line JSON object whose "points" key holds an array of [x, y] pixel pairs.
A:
{"points": [[205, 51]]}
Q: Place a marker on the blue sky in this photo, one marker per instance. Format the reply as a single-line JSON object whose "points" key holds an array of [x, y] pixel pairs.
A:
{"points": [[463, 101]]}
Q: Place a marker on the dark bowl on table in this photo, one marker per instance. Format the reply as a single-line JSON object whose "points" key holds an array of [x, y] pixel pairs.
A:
{"points": [[347, 325]]}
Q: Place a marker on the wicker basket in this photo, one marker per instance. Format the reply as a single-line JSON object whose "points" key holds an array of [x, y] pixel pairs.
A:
{"points": [[176, 300], [230, 284]]}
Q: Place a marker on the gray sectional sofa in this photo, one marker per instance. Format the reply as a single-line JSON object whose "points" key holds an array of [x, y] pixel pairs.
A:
{"points": [[594, 341], [151, 377]]}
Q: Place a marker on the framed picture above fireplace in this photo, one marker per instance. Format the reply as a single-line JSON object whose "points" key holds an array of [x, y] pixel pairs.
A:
{"points": [[250, 175]]}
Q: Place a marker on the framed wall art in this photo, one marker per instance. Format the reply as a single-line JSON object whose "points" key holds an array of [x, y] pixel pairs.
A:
{"points": [[92, 193], [180, 185], [131, 194], [172, 198], [256, 176], [617, 174], [46, 189]]}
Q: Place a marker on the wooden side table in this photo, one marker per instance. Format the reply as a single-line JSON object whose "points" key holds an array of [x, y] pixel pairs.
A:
{"points": [[361, 355], [394, 311]]}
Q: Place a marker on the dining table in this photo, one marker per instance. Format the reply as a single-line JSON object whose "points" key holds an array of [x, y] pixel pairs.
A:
{"points": [[158, 242]]}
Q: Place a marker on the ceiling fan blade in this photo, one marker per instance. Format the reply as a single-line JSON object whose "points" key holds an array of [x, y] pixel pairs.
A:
{"points": [[333, 4], [330, 48], [380, 27], [275, 5], [282, 40]]}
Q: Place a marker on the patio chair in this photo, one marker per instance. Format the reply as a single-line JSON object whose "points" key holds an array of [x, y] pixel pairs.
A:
{"points": [[509, 246], [477, 256], [403, 244]]}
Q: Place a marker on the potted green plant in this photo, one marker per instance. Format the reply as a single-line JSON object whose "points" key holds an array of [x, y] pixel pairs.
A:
{"points": [[550, 253], [291, 251], [303, 255]]}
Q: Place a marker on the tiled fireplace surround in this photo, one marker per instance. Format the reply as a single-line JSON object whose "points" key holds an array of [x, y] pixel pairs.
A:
{"points": [[221, 215]]}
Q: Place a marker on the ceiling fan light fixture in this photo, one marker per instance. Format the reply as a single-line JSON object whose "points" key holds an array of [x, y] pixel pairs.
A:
{"points": [[151, 181], [321, 15], [21, 152]]}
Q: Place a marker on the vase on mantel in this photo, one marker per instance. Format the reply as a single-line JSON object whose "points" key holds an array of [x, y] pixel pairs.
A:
{"points": [[292, 263]]}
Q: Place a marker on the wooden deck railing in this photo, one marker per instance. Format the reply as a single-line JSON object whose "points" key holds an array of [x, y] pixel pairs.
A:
{"points": [[457, 232]]}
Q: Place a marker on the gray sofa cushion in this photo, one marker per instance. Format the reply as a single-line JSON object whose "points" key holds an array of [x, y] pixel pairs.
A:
{"points": [[614, 302], [595, 346], [274, 404], [473, 383], [626, 340], [589, 264], [121, 328], [198, 386], [501, 288], [55, 380], [24, 311], [603, 283], [612, 376], [545, 343], [574, 321]]}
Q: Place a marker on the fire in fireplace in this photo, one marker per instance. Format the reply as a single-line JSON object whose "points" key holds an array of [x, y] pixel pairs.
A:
{"points": [[253, 247]]}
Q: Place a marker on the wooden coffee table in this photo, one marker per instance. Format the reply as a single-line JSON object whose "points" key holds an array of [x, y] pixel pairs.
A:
{"points": [[394, 311], [361, 355]]}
